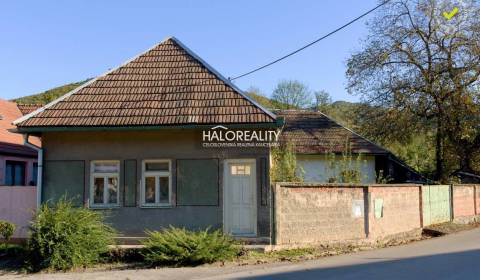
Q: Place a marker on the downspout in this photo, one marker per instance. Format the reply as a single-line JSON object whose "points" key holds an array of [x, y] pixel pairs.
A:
{"points": [[39, 169]]}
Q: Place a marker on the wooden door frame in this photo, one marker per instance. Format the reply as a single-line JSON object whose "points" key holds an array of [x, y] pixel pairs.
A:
{"points": [[226, 174]]}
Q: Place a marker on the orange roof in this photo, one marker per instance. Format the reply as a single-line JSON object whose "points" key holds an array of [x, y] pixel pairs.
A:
{"points": [[8, 113], [28, 108]]}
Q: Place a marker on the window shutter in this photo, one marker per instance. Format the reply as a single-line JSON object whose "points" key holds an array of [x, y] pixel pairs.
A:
{"points": [[264, 185], [64, 178], [130, 179], [197, 182]]}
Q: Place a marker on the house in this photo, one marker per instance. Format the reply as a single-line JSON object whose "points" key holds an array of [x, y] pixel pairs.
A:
{"points": [[324, 149], [164, 139], [161, 140], [18, 163]]}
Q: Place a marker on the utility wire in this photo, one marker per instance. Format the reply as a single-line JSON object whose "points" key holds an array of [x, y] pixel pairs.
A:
{"points": [[310, 44]]}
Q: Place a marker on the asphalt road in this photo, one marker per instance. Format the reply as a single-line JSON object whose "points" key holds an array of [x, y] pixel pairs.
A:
{"points": [[456, 256]]}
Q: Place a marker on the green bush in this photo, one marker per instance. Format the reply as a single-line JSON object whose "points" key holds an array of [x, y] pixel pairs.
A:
{"points": [[65, 237], [176, 246], [6, 230], [284, 164]]}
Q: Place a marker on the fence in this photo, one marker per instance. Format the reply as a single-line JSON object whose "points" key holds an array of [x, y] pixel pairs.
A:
{"points": [[311, 213], [17, 204]]}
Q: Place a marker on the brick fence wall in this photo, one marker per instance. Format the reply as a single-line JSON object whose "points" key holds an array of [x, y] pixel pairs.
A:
{"points": [[393, 210], [312, 214], [465, 202]]}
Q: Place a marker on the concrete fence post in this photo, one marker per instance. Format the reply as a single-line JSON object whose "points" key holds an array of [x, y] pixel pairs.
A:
{"points": [[452, 214], [366, 207], [475, 199], [420, 202], [276, 206]]}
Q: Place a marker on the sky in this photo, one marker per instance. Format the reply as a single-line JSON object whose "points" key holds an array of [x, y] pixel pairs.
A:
{"points": [[45, 44]]}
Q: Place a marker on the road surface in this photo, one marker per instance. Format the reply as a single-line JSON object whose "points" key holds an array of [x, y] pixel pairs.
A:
{"points": [[456, 256]]}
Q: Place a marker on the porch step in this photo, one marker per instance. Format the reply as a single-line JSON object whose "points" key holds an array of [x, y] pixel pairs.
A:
{"points": [[248, 241], [257, 248], [130, 240], [254, 240]]}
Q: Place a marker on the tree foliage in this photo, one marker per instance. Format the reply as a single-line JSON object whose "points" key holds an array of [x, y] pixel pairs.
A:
{"points": [[292, 94], [49, 95], [64, 237], [261, 99], [322, 100], [7, 230], [345, 168], [420, 72], [284, 164]]}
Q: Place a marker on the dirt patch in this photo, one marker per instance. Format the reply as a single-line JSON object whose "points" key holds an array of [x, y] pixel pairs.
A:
{"points": [[11, 259], [448, 228]]}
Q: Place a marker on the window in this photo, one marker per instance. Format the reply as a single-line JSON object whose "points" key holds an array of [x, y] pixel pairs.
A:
{"points": [[14, 173], [104, 183], [156, 183], [240, 169]]}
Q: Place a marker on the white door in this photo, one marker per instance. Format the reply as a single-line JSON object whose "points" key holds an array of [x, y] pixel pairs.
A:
{"points": [[240, 198]]}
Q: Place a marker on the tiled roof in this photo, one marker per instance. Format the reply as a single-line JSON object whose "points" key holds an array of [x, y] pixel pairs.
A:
{"points": [[28, 108], [8, 113], [315, 133], [167, 85]]}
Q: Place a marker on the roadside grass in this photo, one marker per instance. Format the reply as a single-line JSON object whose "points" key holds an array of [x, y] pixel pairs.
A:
{"points": [[12, 255]]}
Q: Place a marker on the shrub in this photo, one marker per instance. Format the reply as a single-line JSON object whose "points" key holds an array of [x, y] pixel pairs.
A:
{"points": [[182, 247], [284, 164], [6, 230], [65, 237]]}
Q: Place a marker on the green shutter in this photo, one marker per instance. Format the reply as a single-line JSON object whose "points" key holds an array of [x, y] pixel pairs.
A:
{"points": [[263, 181], [197, 182], [64, 177], [130, 179]]}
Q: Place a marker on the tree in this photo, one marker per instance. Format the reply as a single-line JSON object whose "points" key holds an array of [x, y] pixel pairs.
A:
{"points": [[259, 97], [292, 94], [418, 67], [322, 100], [284, 164]]}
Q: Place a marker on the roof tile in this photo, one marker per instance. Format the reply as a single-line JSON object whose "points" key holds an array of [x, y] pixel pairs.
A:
{"points": [[315, 133], [166, 85]]}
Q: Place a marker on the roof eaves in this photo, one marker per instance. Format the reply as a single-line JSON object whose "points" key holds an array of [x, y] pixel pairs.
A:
{"points": [[223, 78], [39, 110], [40, 129]]}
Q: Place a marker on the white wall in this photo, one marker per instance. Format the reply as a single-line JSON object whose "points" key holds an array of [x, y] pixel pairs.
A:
{"points": [[317, 168]]}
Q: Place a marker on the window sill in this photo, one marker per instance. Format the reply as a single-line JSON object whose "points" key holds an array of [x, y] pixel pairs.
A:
{"points": [[156, 206], [103, 207]]}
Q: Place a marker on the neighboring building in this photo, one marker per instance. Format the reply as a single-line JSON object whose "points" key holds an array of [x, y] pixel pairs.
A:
{"points": [[130, 141], [18, 163], [322, 145]]}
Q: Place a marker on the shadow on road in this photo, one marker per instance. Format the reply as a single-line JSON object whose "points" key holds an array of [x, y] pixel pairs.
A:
{"points": [[459, 265]]}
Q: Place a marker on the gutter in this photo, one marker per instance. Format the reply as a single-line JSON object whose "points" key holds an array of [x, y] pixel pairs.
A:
{"points": [[40, 167], [279, 122]]}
